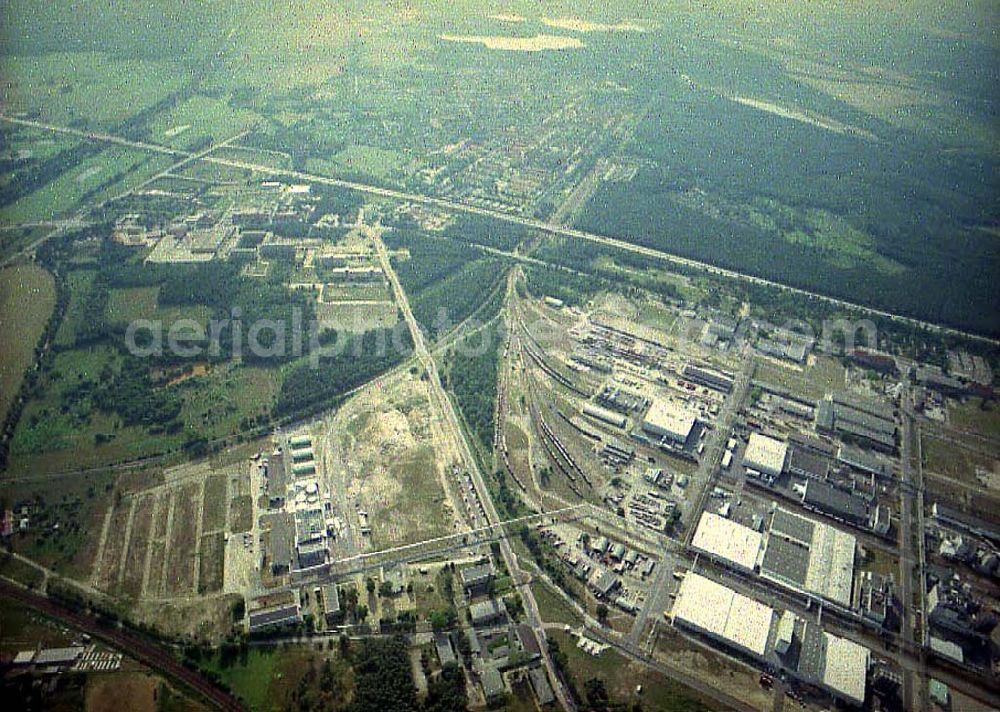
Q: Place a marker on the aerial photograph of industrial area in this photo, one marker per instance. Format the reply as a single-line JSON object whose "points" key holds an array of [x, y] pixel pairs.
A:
{"points": [[407, 355]]}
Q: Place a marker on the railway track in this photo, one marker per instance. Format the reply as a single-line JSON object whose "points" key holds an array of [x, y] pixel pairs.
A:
{"points": [[128, 642]]}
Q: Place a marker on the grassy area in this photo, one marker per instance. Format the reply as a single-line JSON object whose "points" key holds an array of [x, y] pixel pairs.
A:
{"points": [[27, 297], [822, 375], [220, 402], [553, 607], [371, 161], [14, 239], [975, 415], [79, 282], [346, 292], [94, 179], [959, 463], [127, 305], [200, 121], [418, 513], [77, 504], [621, 677], [270, 679], [90, 88]]}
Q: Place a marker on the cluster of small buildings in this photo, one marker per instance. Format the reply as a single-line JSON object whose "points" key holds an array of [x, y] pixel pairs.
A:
{"points": [[76, 658], [497, 645]]}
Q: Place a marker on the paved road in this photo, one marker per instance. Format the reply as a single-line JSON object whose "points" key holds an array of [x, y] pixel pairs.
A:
{"points": [[547, 227], [444, 406]]}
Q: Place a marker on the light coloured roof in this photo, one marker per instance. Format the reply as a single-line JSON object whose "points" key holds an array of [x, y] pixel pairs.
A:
{"points": [[831, 564], [765, 454], [727, 540], [669, 417], [724, 613], [846, 668], [49, 656]]}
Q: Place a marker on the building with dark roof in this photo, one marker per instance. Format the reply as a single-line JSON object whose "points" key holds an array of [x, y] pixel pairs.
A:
{"points": [[859, 420], [715, 379], [267, 619], [952, 517], [540, 684], [804, 462], [444, 648], [331, 604], [276, 481], [605, 584], [858, 459], [477, 578], [486, 612], [834, 502], [492, 682], [281, 542]]}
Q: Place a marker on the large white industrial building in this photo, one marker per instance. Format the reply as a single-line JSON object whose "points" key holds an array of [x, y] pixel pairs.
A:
{"points": [[725, 540], [721, 613], [668, 419], [802, 554], [809, 556], [779, 639], [765, 454]]}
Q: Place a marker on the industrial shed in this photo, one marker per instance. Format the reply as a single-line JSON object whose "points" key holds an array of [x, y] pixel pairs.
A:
{"points": [[727, 541], [719, 612], [667, 419], [809, 556], [765, 454]]}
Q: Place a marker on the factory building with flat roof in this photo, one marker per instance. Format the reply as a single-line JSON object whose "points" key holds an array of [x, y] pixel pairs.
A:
{"points": [[766, 455], [727, 541], [777, 639], [720, 613], [809, 556], [670, 420]]}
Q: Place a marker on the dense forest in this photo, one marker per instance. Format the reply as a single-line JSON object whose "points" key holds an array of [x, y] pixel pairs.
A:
{"points": [[446, 281], [902, 234], [315, 383], [472, 376]]}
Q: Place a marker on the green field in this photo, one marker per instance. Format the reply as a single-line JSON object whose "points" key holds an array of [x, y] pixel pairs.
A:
{"points": [[130, 304], [356, 291], [208, 120], [92, 89], [27, 297], [96, 178], [79, 282], [621, 678]]}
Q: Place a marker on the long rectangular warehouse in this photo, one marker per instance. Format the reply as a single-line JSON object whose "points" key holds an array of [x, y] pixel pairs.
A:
{"points": [[719, 612]]}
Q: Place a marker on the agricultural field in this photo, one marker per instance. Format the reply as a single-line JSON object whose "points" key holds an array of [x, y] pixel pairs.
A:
{"points": [[27, 297]]}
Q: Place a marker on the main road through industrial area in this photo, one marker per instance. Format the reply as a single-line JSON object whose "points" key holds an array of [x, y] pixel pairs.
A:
{"points": [[445, 408], [533, 223]]}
